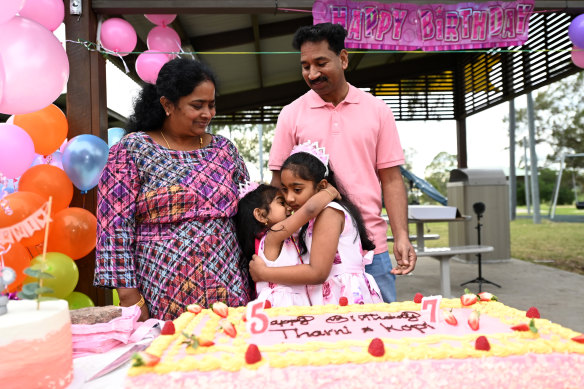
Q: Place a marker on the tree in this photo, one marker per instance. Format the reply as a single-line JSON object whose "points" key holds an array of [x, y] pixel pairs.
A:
{"points": [[246, 139], [437, 172], [559, 117]]}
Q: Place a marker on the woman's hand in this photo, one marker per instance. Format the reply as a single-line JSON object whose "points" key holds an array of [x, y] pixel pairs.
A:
{"points": [[131, 296], [256, 267]]}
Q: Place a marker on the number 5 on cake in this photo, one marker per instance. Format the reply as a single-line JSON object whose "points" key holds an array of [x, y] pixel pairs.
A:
{"points": [[256, 320], [430, 306]]}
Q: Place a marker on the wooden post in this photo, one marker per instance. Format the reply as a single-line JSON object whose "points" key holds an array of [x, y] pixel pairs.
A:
{"points": [[86, 110]]}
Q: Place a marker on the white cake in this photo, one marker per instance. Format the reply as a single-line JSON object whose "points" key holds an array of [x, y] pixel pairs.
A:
{"points": [[35, 345]]}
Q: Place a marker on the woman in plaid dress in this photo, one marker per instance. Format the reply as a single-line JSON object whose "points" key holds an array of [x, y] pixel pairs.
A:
{"points": [[166, 200]]}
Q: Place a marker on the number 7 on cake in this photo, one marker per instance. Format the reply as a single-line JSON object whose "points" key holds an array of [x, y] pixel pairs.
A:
{"points": [[430, 306]]}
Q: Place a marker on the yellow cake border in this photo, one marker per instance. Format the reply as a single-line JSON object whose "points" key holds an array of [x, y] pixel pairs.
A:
{"points": [[551, 338]]}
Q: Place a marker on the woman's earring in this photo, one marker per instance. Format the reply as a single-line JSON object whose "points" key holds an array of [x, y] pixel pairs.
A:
{"points": [[167, 114]]}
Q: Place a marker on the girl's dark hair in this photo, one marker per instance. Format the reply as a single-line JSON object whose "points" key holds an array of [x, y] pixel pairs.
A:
{"points": [[177, 78], [247, 227], [334, 34], [310, 168]]}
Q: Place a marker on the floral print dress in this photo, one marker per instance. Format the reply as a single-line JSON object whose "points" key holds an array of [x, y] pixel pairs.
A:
{"points": [[347, 278]]}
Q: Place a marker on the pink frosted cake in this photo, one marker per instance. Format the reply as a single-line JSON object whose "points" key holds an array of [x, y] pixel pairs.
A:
{"points": [[35, 345], [363, 346]]}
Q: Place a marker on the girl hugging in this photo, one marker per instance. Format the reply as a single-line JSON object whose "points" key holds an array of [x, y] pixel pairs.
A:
{"points": [[324, 261]]}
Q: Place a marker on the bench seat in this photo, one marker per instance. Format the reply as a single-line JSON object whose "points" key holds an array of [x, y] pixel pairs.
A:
{"points": [[443, 254]]}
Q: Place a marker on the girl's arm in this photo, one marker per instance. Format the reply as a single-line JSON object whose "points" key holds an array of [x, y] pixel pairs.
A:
{"points": [[326, 232], [281, 231]]}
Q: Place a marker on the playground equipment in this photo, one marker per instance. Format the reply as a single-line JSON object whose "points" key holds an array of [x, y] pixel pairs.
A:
{"points": [[424, 186]]}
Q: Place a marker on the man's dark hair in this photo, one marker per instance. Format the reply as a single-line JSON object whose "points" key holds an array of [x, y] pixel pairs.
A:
{"points": [[334, 34]]}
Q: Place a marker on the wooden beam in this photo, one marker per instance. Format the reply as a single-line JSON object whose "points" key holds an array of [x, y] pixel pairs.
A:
{"points": [[246, 35], [198, 6], [86, 114]]}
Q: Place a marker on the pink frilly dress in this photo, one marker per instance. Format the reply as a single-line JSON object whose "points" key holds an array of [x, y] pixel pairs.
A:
{"points": [[347, 277], [281, 295]]}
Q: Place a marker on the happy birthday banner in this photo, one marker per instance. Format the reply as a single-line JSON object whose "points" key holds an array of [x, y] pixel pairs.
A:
{"points": [[431, 27]]}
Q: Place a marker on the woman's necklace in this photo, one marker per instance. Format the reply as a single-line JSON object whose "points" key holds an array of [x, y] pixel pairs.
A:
{"points": [[168, 145]]}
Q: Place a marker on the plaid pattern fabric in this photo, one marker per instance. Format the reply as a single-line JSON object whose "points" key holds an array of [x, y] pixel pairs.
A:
{"points": [[165, 227]]}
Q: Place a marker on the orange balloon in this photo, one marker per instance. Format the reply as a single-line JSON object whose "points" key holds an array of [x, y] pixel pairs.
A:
{"points": [[18, 258], [47, 127], [23, 204], [48, 180], [73, 232]]}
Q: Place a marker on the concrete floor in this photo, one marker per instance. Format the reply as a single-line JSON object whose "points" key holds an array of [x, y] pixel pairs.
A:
{"points": [[557, 294]]}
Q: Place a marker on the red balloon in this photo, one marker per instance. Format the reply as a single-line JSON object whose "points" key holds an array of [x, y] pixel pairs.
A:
{"points": [[73, 232]]}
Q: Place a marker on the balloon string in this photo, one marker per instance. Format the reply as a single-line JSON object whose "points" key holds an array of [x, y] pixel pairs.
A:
{"points": [[493, 50], [83, 199]]}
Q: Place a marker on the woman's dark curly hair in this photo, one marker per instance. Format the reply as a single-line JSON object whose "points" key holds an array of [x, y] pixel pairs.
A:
{"points": [[310, 168], [177, 78]]}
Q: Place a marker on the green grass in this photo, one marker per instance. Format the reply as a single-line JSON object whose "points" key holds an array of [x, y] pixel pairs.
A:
{"points": [[559, 245]]}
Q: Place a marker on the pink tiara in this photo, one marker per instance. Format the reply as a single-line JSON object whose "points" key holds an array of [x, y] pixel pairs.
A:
{"points": [[246, 187], [313, 149]]}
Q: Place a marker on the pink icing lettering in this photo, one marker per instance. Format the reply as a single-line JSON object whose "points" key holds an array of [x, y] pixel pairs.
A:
{"points": [[496, 20], [479, 25], [339, 15], [385, 22], [399, 16], [523, 12], [371, 20], [509, 24], [451, 33], [426, 24], [354, 30], [465, 14]]}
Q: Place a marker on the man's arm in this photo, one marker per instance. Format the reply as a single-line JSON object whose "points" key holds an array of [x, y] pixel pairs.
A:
{"points": [[276, 181], [396, 205]]}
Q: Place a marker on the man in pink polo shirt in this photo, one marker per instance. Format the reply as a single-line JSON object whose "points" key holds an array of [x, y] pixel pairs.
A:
{"points": [[358, 132]]}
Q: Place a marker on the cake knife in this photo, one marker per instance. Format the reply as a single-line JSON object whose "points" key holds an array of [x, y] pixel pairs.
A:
{"points": [[125, 357]]}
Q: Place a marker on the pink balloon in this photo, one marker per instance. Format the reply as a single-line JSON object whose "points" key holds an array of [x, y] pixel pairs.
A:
{"points": [[160, 19], [9, 8], [578, 57], [49, 13], [163, 39], [16, 150], [148, 65], [118, 35], [36, 67], [1, 81], [10, 120]]}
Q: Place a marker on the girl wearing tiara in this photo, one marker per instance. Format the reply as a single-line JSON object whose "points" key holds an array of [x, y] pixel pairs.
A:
{"points": [[332, 244], [264, 227]]}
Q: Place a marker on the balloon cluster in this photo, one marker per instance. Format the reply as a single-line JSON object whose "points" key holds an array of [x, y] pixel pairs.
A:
{"points": [[118, 36], [36, 160], [576, 34]]}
